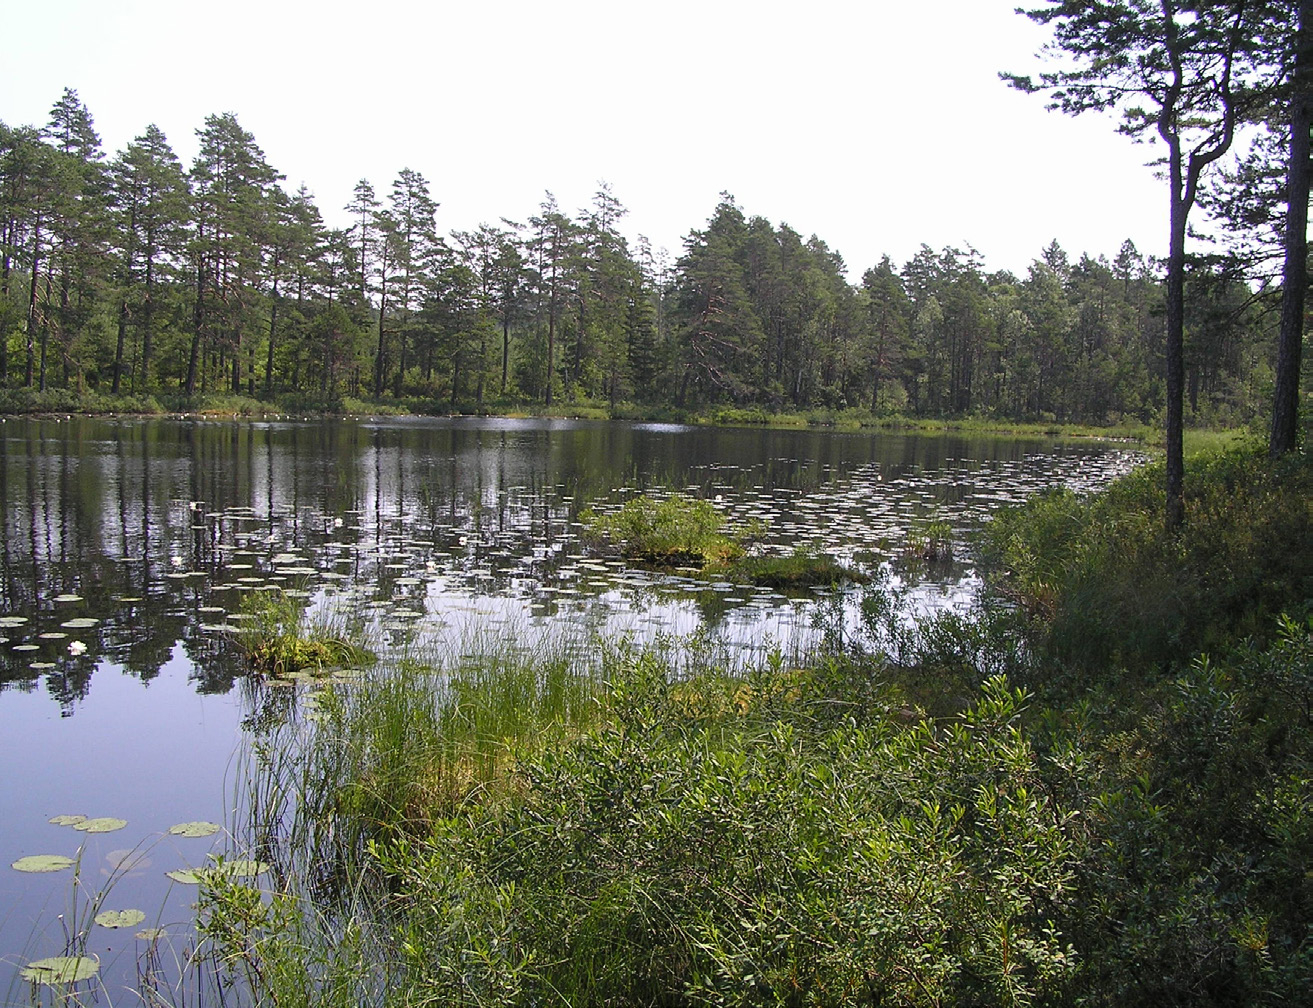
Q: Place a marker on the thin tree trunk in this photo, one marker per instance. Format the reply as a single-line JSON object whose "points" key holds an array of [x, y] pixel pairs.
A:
{"points": [[1294, 274], [269, 358], [32, 312], [1174, 358], [118, 346]]}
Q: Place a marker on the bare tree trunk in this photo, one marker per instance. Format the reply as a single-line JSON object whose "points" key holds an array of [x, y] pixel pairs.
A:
{"points": [[1294, 274]]}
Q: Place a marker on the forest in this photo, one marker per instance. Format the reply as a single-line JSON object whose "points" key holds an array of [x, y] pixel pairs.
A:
{"points": [[135, 277]]}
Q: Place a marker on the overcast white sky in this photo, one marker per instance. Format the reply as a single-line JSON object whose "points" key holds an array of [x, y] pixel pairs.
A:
{"points": [[877, 125]]}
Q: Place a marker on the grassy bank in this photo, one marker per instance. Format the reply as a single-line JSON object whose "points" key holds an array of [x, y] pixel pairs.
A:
{"points": [[1058, 800], [34, 402]]}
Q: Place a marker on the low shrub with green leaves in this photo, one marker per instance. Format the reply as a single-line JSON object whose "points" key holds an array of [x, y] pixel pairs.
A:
{"points": [[1106, 584], [669, 530]]}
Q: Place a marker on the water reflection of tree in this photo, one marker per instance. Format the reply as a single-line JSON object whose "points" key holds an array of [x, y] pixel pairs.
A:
{"points": [[106, 509]]}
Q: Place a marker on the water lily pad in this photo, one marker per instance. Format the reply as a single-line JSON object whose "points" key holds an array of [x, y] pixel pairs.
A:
{"points": [[241, 868], [194, 829], [67, 820], [120, 918], [43, 863], [52, 635], [68, 597], [150, 934], [104, 824], [187, 876], [61, 970], [41, 666], [12, 621], [81, 623]]}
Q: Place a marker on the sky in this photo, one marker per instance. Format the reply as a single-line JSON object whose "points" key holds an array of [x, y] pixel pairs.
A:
{"points": [[878, 126]]}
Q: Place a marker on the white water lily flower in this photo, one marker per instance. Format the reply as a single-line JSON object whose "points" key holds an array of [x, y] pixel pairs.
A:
{"points": [[76, 647]]}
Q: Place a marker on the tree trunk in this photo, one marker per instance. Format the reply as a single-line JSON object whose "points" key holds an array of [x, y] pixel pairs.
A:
{"points": [[1174, 356], [118, 346], [147, 325], [198, 320], [505, 351], [33, 314], [269, 357], [1294, 274]]}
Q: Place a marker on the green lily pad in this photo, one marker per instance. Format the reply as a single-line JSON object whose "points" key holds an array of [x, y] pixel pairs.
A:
{"points": [[120, 918], [67, 820], [61, 970], [104, 824], [187, 876], [150, 934], [81, 623], [194, 829], [42, 863], [241, 868], [68, 597]]}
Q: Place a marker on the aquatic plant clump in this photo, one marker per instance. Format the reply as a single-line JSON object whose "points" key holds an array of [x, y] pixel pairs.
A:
{"points": [[277, 643], [797, 570], [670, 531]]}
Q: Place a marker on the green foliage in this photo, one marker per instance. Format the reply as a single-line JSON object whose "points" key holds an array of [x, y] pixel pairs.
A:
{"points": [[671, 530], [31, 400], [930, 540], [1104, 583], [1194, 885], [277, 643], [747, 858], [800, 569]]}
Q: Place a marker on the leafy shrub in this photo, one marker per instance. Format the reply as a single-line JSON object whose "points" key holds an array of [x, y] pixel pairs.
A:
{"points": [[677, 529], [277, 643], [1105, 583], [749, 860]]}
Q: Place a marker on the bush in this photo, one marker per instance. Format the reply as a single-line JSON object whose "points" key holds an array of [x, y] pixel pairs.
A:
{"points": [[748, 859], [673, 530], [1105, 584]]}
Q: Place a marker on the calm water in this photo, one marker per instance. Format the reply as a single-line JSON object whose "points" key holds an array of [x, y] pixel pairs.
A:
{"points": [[128, 546]]}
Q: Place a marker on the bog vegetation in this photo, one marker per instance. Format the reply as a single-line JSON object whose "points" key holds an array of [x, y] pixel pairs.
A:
{"points": [[1058, 799]]}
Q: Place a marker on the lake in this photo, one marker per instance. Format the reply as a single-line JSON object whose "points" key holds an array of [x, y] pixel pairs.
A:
{"points": [[128, 547]]}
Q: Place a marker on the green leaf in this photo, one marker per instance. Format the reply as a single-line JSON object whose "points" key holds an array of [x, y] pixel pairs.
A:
{"points": [[194, 829], [61, 969], [120, 918], [150, 934], [104, 824], [67, 820], [187, 876], [43, 863]]}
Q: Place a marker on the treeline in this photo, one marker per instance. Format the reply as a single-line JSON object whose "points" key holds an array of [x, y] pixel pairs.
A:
{"points": [[133, 275]]}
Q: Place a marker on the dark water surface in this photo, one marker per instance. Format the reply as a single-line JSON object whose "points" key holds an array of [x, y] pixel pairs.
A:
{"points": [[127, 546]]}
